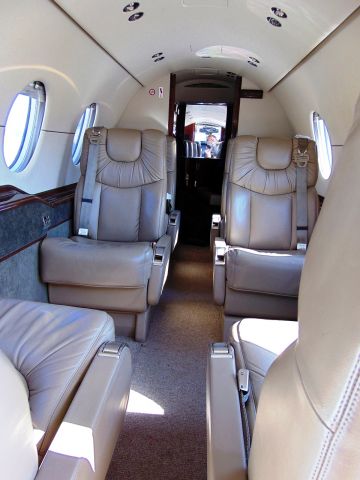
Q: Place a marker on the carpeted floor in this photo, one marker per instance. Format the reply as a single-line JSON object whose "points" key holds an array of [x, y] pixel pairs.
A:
{"points": [[170, 370]]}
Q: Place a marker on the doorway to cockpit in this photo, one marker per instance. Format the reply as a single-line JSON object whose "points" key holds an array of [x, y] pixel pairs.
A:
{"points": [[202, 135], [203, 115]]}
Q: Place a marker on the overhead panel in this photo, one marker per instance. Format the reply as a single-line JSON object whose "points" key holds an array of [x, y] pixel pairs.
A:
{"points": [[178, 31]]}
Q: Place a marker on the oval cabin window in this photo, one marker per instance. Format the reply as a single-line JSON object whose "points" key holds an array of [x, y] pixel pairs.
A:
{"points": [[323, 143], [87, 120], [23, 126]]}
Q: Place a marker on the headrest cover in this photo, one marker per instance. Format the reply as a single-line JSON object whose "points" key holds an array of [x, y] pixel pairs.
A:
{"points": [[274, 153], [171, 154], [123, 145], [268, 165]]}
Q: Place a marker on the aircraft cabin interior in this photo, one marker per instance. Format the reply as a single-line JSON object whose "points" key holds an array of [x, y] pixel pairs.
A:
{"points": [[179, 240]]}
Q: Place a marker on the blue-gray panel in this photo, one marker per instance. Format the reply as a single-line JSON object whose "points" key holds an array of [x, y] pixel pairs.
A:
{"points": [[19, 274], [24, 225]]}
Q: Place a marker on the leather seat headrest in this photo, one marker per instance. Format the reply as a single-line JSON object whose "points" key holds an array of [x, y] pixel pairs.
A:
{"points": [[123, 145], [274, 153]]}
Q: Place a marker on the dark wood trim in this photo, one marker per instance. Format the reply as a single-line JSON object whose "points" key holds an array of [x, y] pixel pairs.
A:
{"points": [[236, 107], [251, 93], [64, 12], [12, 197], [317, 47], [172, 104]]}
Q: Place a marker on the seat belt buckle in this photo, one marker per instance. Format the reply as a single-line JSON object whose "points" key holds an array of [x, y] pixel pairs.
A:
{"points": [[83, 232], [302, 158], [243, 378], [95, 136]]}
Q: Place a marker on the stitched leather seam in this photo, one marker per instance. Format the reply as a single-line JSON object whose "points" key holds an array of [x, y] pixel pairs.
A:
{"points": [[319, 462], [346, 417], [245, 290], [348, 392], [65, 390], [307, 395]]}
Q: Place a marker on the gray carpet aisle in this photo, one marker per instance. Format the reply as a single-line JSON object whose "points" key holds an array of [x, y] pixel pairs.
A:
{"points": [[170, 369]]}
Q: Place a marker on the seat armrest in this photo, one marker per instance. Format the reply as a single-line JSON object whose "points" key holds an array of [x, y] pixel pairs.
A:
{"points": [[220, 249], [226, 458], [215, 228], [174, 227], [159, 269], [85, 441]]}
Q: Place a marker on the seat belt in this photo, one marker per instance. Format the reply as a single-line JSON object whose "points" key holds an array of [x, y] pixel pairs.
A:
{"points": [[243, 379], [301, 159], [95, 138]]}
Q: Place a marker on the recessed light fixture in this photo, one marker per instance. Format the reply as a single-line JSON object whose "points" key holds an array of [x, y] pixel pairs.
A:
{"points": [[253, 64], [135, 16], [254, 60], [130, 7], [278, 12], [156, 55], [158, 59], [273, 22]]}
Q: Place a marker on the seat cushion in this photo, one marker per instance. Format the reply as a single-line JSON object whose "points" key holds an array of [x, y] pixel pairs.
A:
{"points": [[84, 262], [273, 273], [51, 346], [257, 343]]}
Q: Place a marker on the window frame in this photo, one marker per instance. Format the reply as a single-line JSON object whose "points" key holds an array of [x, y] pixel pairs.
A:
{"points": [[36, 94], [81, 127]]}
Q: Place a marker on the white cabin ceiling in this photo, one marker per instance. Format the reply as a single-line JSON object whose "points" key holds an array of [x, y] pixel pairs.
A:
{"points": [[180, 31]]}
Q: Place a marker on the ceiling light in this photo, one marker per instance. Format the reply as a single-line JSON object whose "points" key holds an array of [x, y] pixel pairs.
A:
{"points": [[253, 64], [158, 59], [273, 22], [254, 60], [130, 7], [135, 16], [278, 12], [156, 55]]}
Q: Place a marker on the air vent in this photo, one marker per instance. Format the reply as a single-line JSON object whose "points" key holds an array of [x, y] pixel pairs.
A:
{"points": [[130, 7], [135, 16], [273, 22], [278, 12]]}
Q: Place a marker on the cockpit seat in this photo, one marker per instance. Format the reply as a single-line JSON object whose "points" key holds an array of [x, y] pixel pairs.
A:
{"points": [[64, 389], [270, 212], [118, 259]]}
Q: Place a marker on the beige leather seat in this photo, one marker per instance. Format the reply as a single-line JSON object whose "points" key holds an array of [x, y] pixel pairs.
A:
{"points": [[174, 215], [121, 265], [257, 265], [64, 389], [307, 422], [218, 219]]}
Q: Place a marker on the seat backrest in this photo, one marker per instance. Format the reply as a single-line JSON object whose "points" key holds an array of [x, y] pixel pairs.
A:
{"points": [[308, 421], [129, 200], [19, 457], [260, 208], [226, 176], [171, 168]]}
